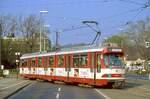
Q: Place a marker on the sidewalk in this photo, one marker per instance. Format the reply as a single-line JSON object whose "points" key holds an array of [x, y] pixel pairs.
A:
{"points": [[9, 86]]}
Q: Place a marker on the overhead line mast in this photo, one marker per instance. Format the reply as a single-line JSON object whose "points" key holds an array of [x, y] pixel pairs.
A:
{"points": [[66, 30]]}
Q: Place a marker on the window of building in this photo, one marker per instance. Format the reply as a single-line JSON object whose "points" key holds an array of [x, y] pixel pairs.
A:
{"points": [[51, 61], [60, 60]]}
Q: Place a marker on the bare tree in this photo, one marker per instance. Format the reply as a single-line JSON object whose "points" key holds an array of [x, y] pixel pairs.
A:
{"points": [[19, 34], [9, 27], [139, 32], [133, 40], [30, 29]]}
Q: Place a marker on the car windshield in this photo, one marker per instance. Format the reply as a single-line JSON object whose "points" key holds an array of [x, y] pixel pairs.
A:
{"points": [[113, 60]]}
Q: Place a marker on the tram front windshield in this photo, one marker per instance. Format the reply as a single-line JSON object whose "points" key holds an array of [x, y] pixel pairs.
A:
{"points": [[113, 60]]}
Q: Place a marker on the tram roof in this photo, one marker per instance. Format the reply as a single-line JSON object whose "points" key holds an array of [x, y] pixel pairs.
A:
{"points": [[64, 51]]}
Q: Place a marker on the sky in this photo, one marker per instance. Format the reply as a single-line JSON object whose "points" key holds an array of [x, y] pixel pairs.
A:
{"points": [[112, 15]]}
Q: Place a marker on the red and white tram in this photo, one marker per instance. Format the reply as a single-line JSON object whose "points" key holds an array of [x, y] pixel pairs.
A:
{"points": [[93, 66]]}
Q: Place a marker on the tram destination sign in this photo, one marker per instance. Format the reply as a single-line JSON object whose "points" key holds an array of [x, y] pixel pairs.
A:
{"points": [[115, 50]]}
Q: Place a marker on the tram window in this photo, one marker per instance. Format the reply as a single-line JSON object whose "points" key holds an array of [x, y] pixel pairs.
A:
{"points": [[51, 61], [76, 60], [29, 69], [21, 62], [98, 63], [24, 62], [29, 62], [40, 61], [33, 62], [45, 69], [83, 60], [106, 60], [60, 60]]}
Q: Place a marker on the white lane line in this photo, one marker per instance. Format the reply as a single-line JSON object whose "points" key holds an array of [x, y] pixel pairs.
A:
{"points": [[13, 85], [106, 97], [59, 89], [144, 88], [57, 96]]}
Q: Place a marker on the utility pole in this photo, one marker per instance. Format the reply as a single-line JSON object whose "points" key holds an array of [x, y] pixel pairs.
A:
{"points": [[0, 42], [65, 30], [57, 40], [45, 36]]}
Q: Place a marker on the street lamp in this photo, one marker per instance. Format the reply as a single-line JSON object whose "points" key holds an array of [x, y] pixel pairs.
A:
{"points": [[41, 12], [45, 26], [17, 61]]}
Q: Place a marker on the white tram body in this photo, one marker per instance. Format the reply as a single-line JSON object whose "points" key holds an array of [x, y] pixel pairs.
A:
{"points": [[93, 66]]}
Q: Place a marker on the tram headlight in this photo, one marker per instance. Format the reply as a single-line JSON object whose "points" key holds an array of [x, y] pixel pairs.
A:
{"points": [[106, 75]]}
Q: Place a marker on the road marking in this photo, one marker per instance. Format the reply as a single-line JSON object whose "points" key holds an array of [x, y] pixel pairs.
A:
{"points": [[13, 85], [57, 96], [59, 89], [106, 97], [144, 88]]}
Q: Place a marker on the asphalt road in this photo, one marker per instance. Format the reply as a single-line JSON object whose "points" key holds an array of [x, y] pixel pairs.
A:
{"points": [[134, 89], [135, 76], [46, 90]]}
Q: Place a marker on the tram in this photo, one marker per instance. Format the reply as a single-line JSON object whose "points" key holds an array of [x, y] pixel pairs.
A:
{"points": [[96, 66]]}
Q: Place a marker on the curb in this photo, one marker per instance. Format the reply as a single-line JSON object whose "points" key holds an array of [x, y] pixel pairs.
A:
{"points": [[11, 94]]}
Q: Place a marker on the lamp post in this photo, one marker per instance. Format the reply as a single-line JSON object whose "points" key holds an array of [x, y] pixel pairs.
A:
{"points": [[41, 12], [45, 31], [17, 62]]}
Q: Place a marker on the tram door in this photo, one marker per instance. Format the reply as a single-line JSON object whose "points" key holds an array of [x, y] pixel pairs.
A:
{"points": [[95, 65], [68, 67], [93, 69], [29, 65], [98, 66]]}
